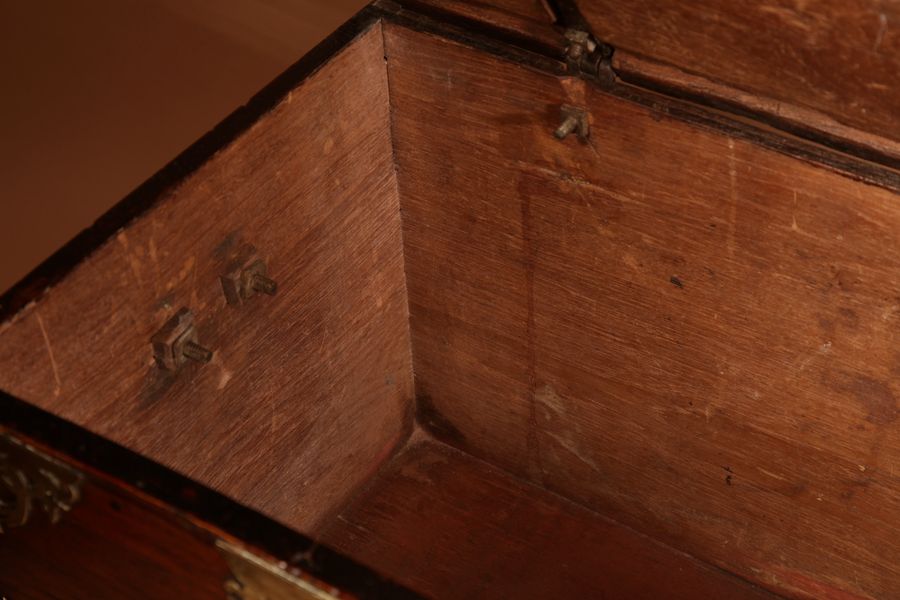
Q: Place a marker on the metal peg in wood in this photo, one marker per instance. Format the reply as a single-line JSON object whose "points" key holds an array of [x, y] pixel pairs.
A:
{"points": [[246, 278], [573, 120], [176, 342]]}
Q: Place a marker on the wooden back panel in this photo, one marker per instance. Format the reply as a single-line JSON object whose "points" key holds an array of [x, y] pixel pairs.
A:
{"points": [[838, 57], [684, 330], [308, 390], [825, 70]]}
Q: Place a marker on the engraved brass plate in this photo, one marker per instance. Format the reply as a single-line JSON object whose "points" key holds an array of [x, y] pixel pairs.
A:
{"points": [[256, 579], [31, 482]]}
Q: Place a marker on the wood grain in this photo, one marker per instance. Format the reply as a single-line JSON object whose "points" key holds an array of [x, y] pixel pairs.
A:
{"points": [[525, 18], [109, 547], [454, 527], [840, 58], [682, 330], [794, 119], [308, 390], [145, 516]]}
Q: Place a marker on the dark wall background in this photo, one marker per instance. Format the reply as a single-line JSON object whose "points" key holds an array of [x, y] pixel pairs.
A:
{"points": [[98, 95]]}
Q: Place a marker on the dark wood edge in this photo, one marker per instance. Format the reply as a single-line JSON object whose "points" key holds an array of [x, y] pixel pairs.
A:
{"points": [[194, 506], [421, 16], [480, 36], [426, 18], [569, 15], [791, 127], [413, 11], [779, 141]]}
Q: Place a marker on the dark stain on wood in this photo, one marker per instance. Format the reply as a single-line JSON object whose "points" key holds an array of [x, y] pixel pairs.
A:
{"points": [[437, 423], [225, 249], [157, 383], [876, 397]]}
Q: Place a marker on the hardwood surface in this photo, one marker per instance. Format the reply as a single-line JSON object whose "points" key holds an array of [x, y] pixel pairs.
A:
{"points": [[451, 526], [109, 547], [135, 517], [308, 390], [796, 120], [530, 19], [840, 58], [682, 330]]}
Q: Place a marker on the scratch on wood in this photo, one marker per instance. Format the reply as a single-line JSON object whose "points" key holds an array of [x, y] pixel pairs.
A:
{"points": [[575, 451], [794, 226], [49, 353], [790, 18], [533, 441], [225, 375], [274, 414], [154, 258], [732, 208], [882, 29], [771, 474], [574, 180]]}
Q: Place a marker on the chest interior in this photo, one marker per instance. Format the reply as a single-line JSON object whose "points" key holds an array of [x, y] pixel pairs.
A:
{"points": [[647, 353]]}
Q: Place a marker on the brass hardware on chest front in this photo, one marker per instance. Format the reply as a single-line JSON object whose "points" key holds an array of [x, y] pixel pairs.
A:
{"points": [[256, 579], [31, 482], [176, 342], [247, 277]]}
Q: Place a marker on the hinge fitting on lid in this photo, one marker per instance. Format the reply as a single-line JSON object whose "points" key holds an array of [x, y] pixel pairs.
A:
{"points": [[587, 57]]}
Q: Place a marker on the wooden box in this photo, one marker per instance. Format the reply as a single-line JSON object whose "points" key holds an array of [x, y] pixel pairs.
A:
{"points": [[508, 300]]}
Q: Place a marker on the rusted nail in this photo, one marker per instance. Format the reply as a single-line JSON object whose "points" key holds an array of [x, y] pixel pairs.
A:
{"points": [[573, 120], [246, 277], [176, 342], [262, 284], [567, 127], [197, 352]]}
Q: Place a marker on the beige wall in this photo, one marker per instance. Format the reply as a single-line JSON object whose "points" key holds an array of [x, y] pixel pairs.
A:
{"points": [[98, 95]]}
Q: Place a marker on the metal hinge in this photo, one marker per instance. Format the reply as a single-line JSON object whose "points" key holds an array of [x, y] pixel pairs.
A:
{"points": [[588, 57], [253, 578], [31, 481]]}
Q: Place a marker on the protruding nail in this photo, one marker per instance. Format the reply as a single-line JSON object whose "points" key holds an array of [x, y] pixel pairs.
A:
{"points": [[263, 284], [574, 120], [176, 342], [566, 127], [245, 277]]}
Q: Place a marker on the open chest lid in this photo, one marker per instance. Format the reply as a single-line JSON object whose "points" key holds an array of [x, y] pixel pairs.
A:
{"points": [[832, 66]]}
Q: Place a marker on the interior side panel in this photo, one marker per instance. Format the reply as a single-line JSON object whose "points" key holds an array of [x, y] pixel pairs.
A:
{"points": [[308, 390]]}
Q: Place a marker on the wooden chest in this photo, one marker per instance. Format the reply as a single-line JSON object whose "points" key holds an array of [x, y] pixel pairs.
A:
{"points": [[487, 300]]}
